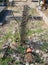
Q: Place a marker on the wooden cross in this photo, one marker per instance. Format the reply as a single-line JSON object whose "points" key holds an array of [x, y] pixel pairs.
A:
{"points": [[25, 17], [24, 22]]}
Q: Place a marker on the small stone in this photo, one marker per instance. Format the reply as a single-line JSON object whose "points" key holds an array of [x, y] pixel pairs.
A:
{"points": [[13, 32], [27, 63], [37, 51], [31, 64], [39, 8]]}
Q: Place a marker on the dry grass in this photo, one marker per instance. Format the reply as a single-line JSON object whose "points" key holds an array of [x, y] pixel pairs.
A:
{"points": [[33, 12], [46, 12]]}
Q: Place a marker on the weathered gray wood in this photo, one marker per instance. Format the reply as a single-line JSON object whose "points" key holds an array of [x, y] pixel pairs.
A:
{"points": [[23, 24], [35, 18]]}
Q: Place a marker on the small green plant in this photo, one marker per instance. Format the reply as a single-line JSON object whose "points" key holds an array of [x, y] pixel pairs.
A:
{"points": [[37, 58], [45, 46], [17, 63], [21, 49], [5, 61]]}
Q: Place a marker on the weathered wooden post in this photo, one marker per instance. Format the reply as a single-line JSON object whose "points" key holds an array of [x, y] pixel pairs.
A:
{"points": [[23, 24]]}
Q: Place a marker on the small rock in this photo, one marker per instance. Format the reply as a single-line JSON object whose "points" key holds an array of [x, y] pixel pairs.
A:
{"points": [[31, 64], [27, 63]]}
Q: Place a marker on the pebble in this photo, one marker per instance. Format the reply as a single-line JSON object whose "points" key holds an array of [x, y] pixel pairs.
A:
{"points": [[27, 63]]}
